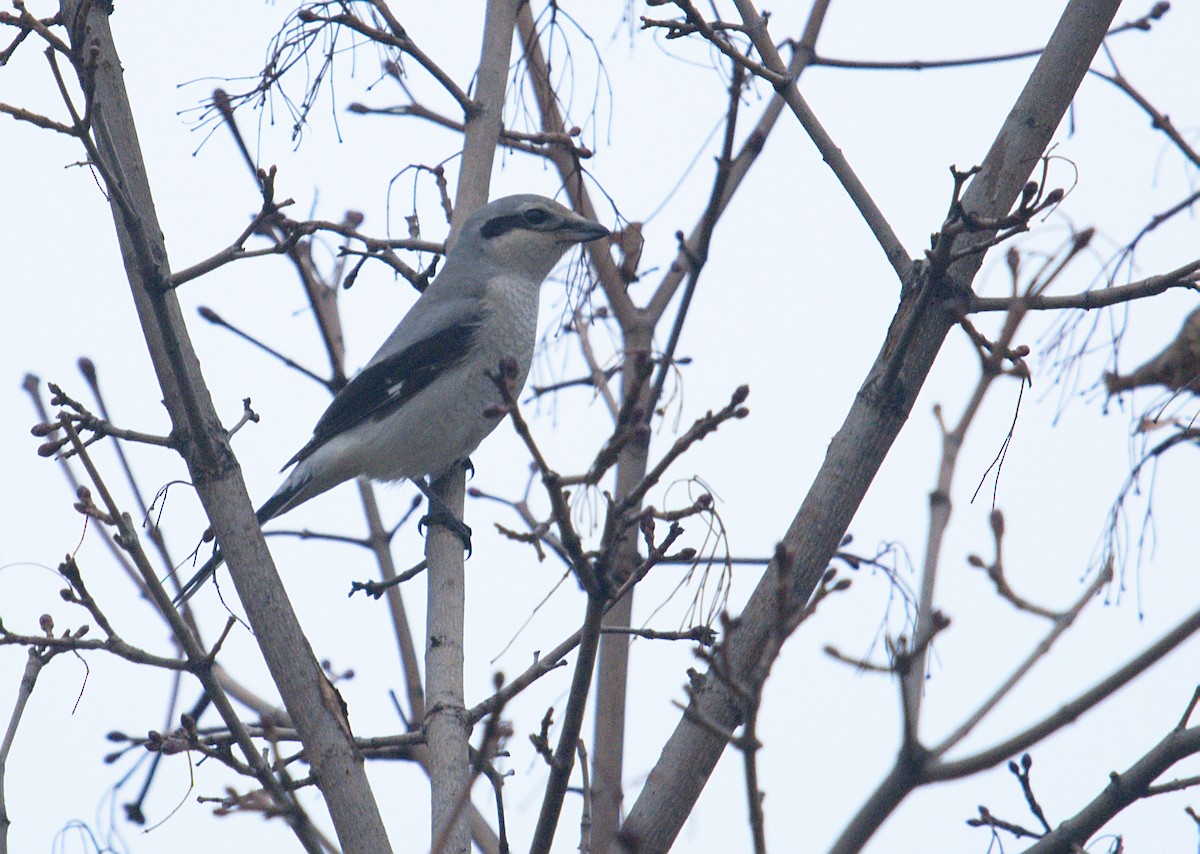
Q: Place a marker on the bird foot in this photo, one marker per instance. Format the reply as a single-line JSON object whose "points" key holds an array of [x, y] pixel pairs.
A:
{"points": [[440, 514]]}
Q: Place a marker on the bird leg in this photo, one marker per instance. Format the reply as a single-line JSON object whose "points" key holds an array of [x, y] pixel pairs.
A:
{"points": [[441, 514]]}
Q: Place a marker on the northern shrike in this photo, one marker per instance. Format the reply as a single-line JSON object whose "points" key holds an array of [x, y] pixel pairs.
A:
{"points": [[420, 404]]}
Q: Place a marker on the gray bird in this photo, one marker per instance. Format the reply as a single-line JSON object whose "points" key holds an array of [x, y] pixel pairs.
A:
{"points": [[1177, 367], [419, 405]]}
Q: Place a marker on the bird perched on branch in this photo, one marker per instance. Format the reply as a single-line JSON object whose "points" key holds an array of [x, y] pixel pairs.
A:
{"points": [[422, 402], [1177, 367]]}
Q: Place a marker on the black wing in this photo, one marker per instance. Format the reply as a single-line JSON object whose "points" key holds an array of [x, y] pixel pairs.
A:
{"points": [[389, 382]]}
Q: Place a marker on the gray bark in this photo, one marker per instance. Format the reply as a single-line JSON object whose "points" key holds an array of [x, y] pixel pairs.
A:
{"points": [[311, 702], [857, 451], [447, 726]]}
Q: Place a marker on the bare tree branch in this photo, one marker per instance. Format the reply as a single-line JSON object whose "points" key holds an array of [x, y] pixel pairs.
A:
{"points": [[206, 450], [873, 423]]}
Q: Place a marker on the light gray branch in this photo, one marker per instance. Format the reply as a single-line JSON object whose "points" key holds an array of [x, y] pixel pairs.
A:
{"points": [[447, 726], [857, 451], [203, 443]]}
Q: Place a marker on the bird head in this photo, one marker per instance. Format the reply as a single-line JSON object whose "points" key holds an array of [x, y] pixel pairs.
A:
{"points": [[525, 233]]}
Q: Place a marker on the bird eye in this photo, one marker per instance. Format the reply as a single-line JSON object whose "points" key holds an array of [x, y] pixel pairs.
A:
{"points": [[536, 216]]}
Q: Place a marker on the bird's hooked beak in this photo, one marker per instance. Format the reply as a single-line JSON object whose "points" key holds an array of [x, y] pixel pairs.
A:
{"points": [[580, 230]]}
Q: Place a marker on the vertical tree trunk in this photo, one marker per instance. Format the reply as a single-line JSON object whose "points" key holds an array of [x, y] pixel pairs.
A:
{"points": [[446, 723], [447, 731], [608, 747]]}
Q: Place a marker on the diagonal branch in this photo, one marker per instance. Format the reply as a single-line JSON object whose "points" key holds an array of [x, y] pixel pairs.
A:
{"points": [[205, 447], [860, 446], [756, 28], [1071, 711], [1123, 789]]}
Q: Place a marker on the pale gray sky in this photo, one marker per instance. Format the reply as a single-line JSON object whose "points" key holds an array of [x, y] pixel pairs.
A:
{"points": [[794, 302]]}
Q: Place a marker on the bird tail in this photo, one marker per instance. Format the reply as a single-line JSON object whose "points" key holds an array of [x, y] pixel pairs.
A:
{"points": [[274, 505], [197, 581]]}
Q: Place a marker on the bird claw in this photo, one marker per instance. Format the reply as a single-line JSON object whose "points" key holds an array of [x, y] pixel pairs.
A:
{"points": [[440, 514]]}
